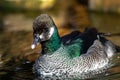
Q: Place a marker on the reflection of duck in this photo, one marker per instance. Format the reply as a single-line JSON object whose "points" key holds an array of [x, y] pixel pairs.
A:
{"points": [[74, 55]]}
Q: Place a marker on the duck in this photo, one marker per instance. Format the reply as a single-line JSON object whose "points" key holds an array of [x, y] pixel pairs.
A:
{"points": [[78, 55]]}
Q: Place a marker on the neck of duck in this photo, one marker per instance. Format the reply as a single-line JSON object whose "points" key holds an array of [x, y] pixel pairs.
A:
{"points": [[52, 44]]}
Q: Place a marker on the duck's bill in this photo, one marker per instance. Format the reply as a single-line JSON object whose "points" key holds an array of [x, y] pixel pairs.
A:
{"points": [[35, 42]]}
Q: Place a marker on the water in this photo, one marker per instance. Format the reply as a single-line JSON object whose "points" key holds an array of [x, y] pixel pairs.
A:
{"points": [[17, 59], [106, 22]]}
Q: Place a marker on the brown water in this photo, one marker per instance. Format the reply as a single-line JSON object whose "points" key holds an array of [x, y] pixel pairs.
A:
{"points": [[17, 58]]}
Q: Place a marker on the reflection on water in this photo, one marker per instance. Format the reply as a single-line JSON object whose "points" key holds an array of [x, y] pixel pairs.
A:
{"points": [[18, 44], [17, 71]]}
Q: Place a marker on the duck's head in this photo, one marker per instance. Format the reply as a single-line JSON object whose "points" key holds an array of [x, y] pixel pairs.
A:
{"points": [[43, 29]]}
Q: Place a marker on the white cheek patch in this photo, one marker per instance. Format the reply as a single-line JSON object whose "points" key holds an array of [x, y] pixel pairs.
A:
{"points": [[50, 33]]}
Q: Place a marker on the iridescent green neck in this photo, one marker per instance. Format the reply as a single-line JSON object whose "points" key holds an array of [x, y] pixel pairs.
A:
{"points": [[52, 44]]}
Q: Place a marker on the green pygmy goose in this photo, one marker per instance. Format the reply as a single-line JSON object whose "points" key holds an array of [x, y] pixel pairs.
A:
{"points": [[77, 55]]}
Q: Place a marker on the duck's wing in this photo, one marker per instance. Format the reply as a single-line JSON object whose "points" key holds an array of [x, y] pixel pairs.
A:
{"points": [[67, 39], [87, 36]]}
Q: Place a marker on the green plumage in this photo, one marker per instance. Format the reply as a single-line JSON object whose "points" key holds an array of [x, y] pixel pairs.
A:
{"points": [[75, 49]]}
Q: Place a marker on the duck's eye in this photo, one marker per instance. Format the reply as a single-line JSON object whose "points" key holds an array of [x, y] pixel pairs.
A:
{"points": [[41, 30], [38, 31]]}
